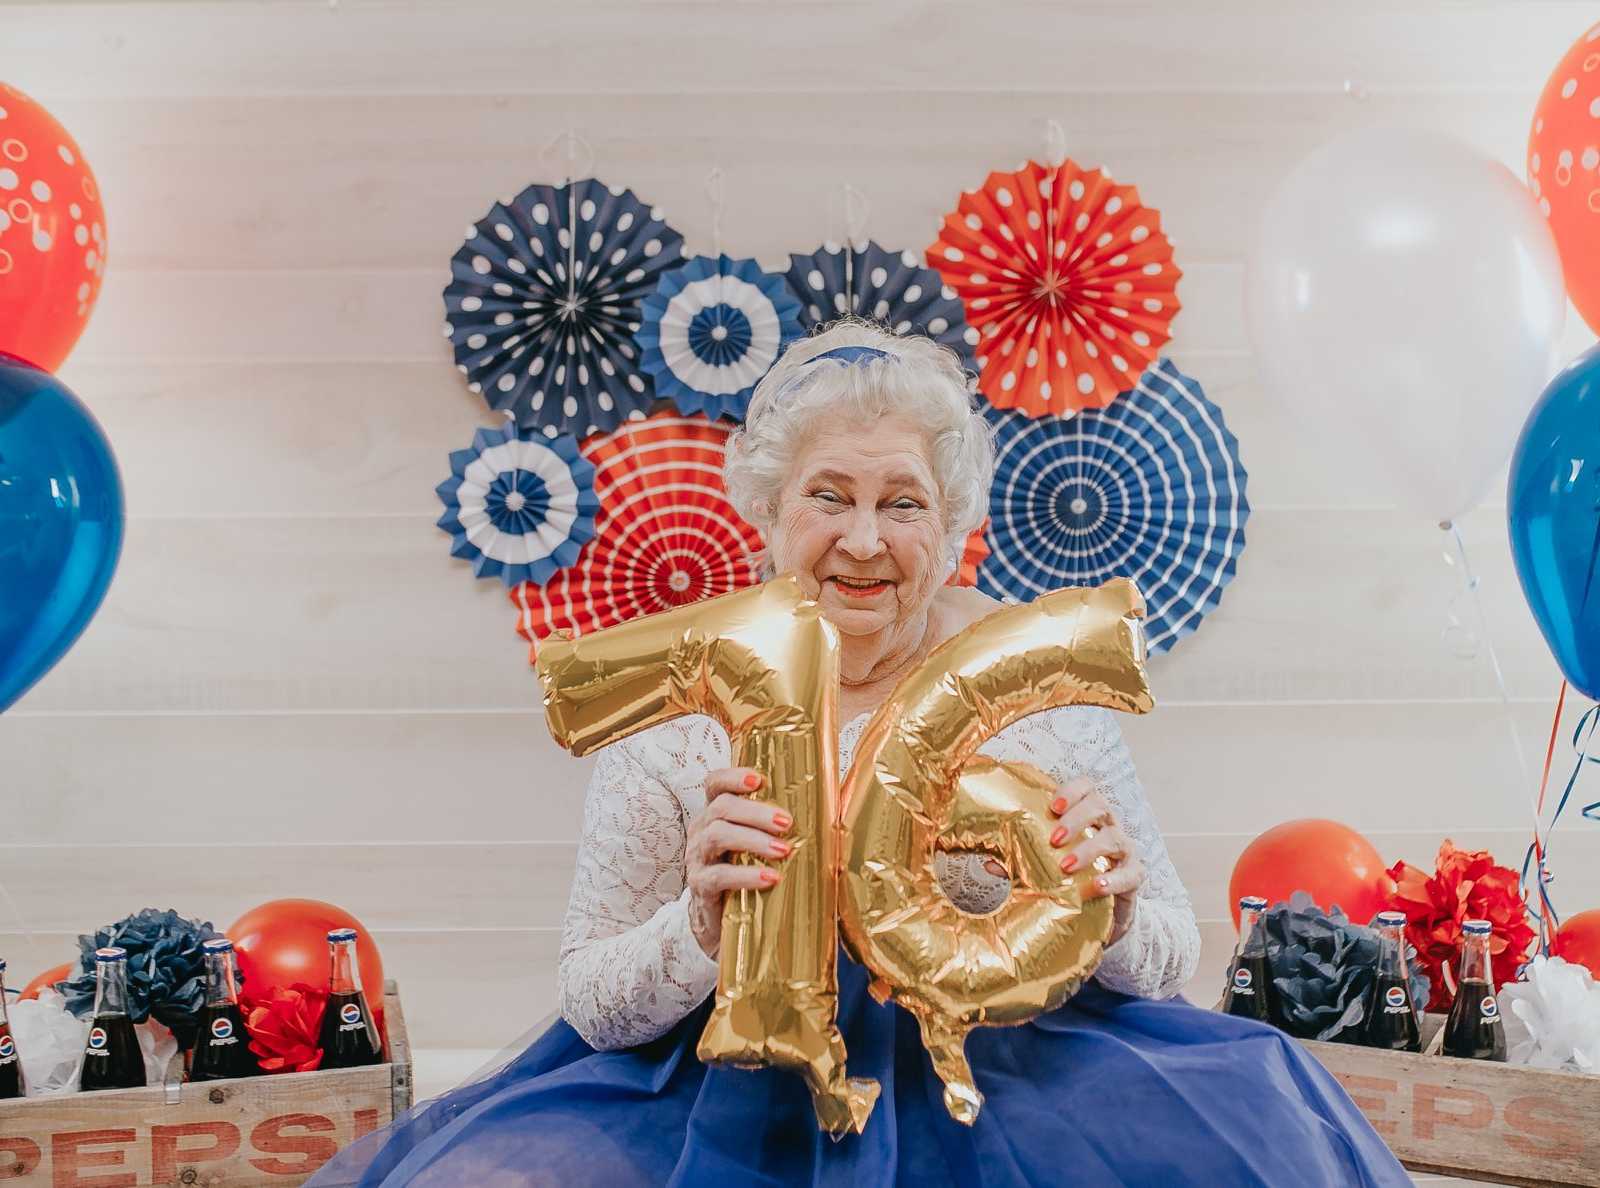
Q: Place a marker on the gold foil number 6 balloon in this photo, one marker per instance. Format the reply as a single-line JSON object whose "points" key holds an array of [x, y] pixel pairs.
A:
{"points": [[764, 663]]}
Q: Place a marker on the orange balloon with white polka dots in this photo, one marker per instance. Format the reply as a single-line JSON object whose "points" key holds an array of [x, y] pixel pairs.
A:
{"points": [[1564, 169], [52, 234]]}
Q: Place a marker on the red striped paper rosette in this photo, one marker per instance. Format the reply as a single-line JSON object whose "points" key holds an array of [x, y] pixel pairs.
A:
{"points": [[665, 534]]}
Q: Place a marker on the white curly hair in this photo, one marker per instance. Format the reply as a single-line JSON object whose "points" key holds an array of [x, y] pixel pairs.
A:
{"points": [[921, 380]]}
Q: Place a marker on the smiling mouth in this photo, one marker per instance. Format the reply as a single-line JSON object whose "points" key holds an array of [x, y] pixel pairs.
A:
{"points": [[860, 587]]}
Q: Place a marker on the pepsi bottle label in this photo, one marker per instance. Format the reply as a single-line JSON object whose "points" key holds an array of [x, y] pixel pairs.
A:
{"points": [[111, 1055], [10, 1066], [223, 1047], [349, 1036], [1394, 1000], [1474, 1030]]}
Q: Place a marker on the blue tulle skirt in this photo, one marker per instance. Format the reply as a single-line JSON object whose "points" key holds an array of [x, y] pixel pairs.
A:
{"points": [[1107, 1090]]}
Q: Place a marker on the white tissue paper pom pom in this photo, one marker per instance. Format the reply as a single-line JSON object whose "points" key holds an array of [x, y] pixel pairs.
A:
{"points": [[1552, 1017], [50, 1042]]}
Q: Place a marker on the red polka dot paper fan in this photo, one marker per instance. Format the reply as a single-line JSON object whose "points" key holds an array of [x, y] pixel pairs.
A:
{"points": [[1068, 280], [972, 555], [665, 534]]}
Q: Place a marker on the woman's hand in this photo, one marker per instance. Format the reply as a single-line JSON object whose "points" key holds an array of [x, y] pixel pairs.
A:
{"points": [[1081, 806], [730, 823]]}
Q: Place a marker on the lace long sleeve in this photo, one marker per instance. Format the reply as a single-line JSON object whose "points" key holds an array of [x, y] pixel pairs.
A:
{"points": [[630, 966], [1160, 951]]}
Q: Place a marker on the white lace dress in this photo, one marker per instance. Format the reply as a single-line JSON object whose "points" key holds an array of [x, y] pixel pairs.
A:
{"points": [[631, 968]]}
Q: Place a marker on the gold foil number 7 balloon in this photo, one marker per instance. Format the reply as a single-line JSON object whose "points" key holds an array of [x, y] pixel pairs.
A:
{"points": [[764, 663]]}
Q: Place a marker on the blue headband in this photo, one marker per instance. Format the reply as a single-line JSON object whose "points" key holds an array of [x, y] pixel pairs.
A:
{"points": [[851, 354]]}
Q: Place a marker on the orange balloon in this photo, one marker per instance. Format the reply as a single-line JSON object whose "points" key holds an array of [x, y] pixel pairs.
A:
{"points": [[286, 941], [1564, 169], [1578, 940], [52, 234], [56, 973], [1331, 862]]}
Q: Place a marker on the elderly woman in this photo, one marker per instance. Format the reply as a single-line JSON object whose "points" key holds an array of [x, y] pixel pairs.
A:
{"points": [[865, 466]]}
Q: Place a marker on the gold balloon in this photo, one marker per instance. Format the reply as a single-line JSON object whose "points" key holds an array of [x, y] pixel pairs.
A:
{"points": [[917, 785], [764, 663]]}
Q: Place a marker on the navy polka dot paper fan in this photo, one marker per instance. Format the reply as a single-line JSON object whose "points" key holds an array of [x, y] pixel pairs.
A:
{"points": [[544, 300], [1149, 488], [712, 329], [890, 287]]}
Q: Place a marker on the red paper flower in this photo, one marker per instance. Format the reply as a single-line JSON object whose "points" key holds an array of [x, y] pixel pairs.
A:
{"points": [[285, 1028], [1465, 885]]}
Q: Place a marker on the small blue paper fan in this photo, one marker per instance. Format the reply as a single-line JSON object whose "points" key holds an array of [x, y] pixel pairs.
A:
{"points": [[889, 287], [544, 301], [1149, 488], [712, 329], [518, 506]]}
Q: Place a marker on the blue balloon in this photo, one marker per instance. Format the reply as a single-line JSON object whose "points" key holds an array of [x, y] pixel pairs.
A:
{"points": [[60, 522], [1553, 510]]}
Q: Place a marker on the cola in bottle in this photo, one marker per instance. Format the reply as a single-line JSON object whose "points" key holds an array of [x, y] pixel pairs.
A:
{"points": [[349, 1034], [11, 1082], [222, 1049], [1474, 1030], [111, 1058], [1392, 1019], [1249, 989]]}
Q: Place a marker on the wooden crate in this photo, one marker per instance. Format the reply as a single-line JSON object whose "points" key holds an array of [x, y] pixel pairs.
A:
{"points": [[1474, 1119], [258, 1130]]}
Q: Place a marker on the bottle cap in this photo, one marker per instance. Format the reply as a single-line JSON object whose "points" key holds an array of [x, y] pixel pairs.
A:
{"points": [[1252, 903], [341, 934], [1391, 919], [220, 944], [110, 953], [1476, 927]]}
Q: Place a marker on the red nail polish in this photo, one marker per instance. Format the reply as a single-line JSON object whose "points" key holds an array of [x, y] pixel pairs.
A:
{"points": [[769, 877], [752, 780], [1068, 863], [1059, 836], [1058, 805], [782, 820], [781, 848]]}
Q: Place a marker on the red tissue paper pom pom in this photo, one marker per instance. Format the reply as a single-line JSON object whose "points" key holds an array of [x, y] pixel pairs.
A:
{"points": [[1465, 885], [285, 1027]]}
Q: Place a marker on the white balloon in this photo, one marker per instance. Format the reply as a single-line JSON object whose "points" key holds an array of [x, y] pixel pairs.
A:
{"points": [[1405, 295]]}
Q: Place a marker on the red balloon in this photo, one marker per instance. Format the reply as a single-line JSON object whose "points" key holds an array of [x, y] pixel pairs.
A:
{"points": [[1578, 940], [50, 977], [52, 234], [1331, 862], [286, 941], [1563, 151]]}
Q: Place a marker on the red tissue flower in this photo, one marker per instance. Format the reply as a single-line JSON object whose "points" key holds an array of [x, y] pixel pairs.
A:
{"points": [[285, 1028], [1465, 885]]}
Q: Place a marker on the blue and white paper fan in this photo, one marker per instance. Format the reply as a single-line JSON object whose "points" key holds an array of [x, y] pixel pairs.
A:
{"points": [[518, 506], [544, 302], [890, 287], [712, 329], [1149, 488]]}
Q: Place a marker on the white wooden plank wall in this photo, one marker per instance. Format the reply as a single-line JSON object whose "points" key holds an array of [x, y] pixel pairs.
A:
{"points": [[293, 689]]}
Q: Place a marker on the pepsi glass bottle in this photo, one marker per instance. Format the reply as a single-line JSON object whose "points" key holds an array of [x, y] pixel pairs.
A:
{"points": [[222, 1048], [11, 1082], [1392, 1019], [1249, 989], [349, 1035], [1474, 1030], [111, 1058]]}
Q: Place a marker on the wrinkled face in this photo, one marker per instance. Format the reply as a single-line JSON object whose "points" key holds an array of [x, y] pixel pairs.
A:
{"points": [[859, 523]]}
